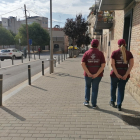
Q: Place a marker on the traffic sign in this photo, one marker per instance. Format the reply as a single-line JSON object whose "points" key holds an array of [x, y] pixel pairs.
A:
{"points": [[30, 41]]}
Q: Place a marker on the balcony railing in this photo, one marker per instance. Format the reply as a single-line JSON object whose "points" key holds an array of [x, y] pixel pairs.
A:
{"points": [[104, 20]]}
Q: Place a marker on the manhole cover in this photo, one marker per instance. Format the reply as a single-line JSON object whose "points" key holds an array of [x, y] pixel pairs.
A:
{"points": [[131, 120]]}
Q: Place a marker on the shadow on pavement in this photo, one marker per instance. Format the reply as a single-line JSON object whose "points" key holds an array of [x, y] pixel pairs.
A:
{"points": [[65, 74], [39, 88], [13, 113], [105, 82], [51, 77], [128, 120]]}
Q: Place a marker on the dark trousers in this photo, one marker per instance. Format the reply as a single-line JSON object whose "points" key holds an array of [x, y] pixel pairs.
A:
{"points": [[115, 82], [95, 86]]}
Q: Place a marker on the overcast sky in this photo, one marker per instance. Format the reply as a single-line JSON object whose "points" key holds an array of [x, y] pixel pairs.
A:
{"points": [[62, 9]]}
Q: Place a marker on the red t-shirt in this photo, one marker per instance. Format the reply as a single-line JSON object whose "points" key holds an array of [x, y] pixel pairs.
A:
{"points": [[93, 59], [119, 63]]}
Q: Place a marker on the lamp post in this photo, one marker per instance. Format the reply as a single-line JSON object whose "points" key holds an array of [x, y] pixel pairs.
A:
{"points": [[51, 42]]}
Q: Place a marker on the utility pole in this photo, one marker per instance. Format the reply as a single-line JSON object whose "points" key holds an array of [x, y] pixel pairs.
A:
{"points": [[51, 42], [27, 32]]}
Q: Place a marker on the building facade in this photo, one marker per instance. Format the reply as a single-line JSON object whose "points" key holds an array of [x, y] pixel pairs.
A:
{"points": [[60, 40], [125, 24], [13, 24]]}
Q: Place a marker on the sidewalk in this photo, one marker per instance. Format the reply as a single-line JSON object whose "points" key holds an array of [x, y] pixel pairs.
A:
{"points": [[52, 109]]}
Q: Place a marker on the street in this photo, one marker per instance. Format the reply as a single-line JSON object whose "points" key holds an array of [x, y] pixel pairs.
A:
{"points": [[14, 75]]}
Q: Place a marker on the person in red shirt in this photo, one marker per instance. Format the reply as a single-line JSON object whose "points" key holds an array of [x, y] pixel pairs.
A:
{"points": [[122, 62], [93, 63]]}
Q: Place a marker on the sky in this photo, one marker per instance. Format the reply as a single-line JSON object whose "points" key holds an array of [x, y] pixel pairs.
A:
{"points": [[61, 9]]}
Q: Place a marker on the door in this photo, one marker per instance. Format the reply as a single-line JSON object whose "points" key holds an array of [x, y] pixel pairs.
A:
{"points": [[128, 28]]}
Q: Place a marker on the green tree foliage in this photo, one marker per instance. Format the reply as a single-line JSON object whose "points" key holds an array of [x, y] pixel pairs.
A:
{"points": [[6, 38], [76, 30], [39, 36]]}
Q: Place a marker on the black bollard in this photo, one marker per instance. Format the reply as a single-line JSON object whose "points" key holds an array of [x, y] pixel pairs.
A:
{"points": [[39, 55], [58, 59], [29, 74], [64, 56], [54, 61], [42, 67], [12, 61], [1, 85], [22, 58]]}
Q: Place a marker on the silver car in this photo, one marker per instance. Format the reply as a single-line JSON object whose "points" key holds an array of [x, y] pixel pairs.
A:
{"points": [[10, 53]]}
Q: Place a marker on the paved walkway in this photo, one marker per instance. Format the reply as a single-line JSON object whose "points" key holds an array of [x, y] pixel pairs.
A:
{"points": [[52, 109]]}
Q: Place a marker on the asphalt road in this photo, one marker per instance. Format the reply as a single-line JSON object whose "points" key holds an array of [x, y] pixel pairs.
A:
{"points": [[12, 76]]}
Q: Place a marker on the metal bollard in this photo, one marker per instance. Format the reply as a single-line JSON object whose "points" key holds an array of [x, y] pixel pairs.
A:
{"points": [[29, 74], [22, 59], [54, 61], [39, 55], [1, 85], [0, 63], [12, 61], [42, 67], [64, 56], [58, 59], [34, 56]]}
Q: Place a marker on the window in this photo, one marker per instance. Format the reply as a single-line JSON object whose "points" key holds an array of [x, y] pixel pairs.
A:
{"points": [[4, 51], [56, 46]]}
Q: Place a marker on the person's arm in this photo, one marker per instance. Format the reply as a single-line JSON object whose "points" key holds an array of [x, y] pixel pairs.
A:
{"points": [[99, 71], [114, 69], [131, 64], [85, 69]]}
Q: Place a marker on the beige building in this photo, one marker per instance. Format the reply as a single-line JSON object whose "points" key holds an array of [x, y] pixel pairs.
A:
{"points": [[60, 40], [94, 33], [13, 24]]}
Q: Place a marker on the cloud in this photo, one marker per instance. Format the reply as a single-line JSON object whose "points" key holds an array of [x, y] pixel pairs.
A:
{"points": [[68, 8]]}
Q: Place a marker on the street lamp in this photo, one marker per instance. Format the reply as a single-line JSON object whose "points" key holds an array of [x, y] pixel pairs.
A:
{"points": [[51, 42]]}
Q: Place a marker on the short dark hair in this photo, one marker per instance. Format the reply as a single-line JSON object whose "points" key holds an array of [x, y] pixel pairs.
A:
{"points": [[94, 46]]}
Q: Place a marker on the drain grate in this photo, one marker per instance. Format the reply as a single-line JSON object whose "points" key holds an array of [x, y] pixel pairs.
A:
{"points": [[131, 120]]}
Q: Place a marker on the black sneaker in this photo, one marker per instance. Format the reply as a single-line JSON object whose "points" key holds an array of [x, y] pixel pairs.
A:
{"points": [[86, 103], [119, 108], [112, 104], [94, 106]]}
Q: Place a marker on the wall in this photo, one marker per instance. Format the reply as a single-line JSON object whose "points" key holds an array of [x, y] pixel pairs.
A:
{"points": [[113, 35], [133, 85]]}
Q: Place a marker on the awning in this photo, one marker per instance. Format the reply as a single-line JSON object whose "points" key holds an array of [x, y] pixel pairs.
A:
{"points": [[114, 4]]}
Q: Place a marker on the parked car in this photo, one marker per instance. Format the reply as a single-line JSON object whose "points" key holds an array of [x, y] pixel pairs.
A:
{"points": [[10, 53]]}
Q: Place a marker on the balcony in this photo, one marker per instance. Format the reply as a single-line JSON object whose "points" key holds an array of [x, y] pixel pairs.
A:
{"points": [[104, 20], [113, 4]]}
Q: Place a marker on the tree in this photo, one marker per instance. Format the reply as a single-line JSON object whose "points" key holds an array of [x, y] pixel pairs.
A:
{"points": [[39, 36], [76, 30], [6, 38]]}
